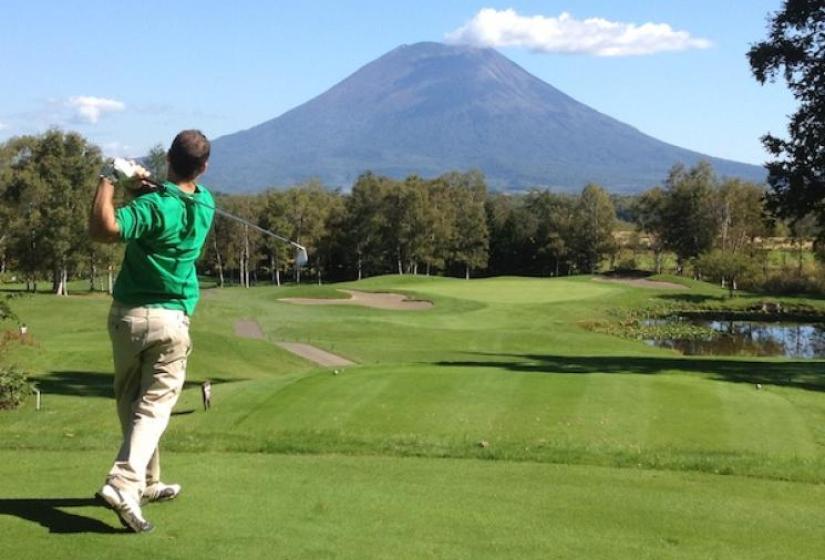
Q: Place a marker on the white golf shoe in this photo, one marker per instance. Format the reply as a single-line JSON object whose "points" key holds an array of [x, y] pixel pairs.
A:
{"points": [[126, 507], [160, 492]]}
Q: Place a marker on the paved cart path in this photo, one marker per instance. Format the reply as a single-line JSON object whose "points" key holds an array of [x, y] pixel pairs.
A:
{"points": [[249, 328], [315, 354]]}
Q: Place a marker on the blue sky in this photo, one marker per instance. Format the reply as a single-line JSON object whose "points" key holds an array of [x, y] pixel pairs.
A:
{"points": [[131, 75]]}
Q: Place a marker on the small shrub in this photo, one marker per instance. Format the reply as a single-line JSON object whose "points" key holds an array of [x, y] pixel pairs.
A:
{"points": [[626, 263], [6, 312], [792, 282], [14, 388], [731, 269]]}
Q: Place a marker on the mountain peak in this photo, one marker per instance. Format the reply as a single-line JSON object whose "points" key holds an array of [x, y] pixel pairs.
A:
{"points": [[434, 48], [429, 108]]}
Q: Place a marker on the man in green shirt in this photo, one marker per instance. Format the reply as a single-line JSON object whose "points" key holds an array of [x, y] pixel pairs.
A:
{"points": [[155, 294]]}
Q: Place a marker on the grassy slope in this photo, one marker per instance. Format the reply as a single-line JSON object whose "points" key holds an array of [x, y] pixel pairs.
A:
{"points": [[500, 360]]}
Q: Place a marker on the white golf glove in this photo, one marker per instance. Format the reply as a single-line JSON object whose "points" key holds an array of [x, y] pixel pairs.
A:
{"points": [[120, 169]]}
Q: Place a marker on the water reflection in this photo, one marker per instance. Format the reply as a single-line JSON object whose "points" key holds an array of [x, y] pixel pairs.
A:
{"points": [[753, 339]]}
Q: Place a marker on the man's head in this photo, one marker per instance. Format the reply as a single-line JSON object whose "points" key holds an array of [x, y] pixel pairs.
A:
{"points": [[188, 155]]}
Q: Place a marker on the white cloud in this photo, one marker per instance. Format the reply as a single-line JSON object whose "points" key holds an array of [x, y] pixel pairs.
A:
{"points": [[116, 149], [91, 109], [3, 126], [565, 34]]}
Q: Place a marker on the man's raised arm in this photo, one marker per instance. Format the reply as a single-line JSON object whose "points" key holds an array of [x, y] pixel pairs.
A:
{"points": [[102, 224]]}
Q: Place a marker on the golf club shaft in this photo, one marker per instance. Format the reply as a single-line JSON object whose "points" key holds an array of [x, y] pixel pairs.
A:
{"points": [[259, 229], [238, 219]]}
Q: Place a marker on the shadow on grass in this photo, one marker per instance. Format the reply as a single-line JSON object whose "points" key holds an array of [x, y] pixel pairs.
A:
{"points": [[725, 298], [47, 512], [94, 383], [808, 375], [186, 412]]}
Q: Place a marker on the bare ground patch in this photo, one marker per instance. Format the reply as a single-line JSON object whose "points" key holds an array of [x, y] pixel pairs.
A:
{"points": [[397, 302], [640, 282]]}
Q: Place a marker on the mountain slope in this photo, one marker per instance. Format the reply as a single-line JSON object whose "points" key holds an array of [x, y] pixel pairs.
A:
{"points": [[429, 108]]}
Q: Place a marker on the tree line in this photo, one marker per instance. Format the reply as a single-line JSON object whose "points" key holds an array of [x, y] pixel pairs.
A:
{"points": [[450, 225], [447, 225], [718, 227]]}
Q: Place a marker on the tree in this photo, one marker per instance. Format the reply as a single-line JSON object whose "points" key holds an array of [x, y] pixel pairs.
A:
{"points": [[365, 222], [6, 211], [156, 162], [440, 223], [405, 232], [471, 246], [650, 217], [414, 223], [795, 49], [244, 240], [554, 230], [330, 251], [691, 224], [308, 206], [726, 267], [593, 223], [273, 217], [503, 238], [22, 193], [49, 183], [800, 231], [742, 218], [224, 246]]}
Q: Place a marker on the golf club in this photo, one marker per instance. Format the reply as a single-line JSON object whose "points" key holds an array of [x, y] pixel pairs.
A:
{"points": [[128, 169]]}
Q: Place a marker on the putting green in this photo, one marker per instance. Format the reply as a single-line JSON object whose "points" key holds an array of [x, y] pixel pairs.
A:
{"points": [[516, 290]]}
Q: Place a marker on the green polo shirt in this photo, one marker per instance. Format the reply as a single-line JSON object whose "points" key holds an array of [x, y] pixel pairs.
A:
{"points": [[164, 233]]}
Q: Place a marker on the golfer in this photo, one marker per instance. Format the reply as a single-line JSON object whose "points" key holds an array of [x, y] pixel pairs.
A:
{"points": [[154, 297]]}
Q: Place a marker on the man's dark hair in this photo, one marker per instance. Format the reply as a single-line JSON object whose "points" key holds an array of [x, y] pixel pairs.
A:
{"points": [[188, 154]]}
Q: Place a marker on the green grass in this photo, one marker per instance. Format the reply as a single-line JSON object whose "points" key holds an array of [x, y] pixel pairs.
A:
{"points": [[310, 291], [281, 506], [596, 446]]}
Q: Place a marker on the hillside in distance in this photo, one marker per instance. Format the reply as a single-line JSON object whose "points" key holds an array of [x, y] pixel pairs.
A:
{"points": [[429, 108]]}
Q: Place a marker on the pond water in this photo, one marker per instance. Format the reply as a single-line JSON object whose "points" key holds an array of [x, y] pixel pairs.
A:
{"points": [[750, 338]]}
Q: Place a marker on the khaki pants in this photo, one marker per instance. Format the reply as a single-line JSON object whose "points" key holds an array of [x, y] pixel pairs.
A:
{"points": [[150, 348]]}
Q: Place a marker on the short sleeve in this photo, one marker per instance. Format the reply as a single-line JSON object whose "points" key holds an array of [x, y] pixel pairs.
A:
{"points": [[140, 218]]}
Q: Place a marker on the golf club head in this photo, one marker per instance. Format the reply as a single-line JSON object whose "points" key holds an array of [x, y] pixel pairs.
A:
{"points": [[301, 257]]}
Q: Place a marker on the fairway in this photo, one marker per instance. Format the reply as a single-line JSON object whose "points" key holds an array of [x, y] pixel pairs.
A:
{"points": [[491, 425]]}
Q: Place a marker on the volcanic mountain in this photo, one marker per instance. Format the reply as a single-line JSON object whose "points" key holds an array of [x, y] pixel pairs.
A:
{"points": [[430, 108]]}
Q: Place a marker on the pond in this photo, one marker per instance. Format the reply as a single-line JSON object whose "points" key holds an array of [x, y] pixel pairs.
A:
{"points": [[749, 338]]}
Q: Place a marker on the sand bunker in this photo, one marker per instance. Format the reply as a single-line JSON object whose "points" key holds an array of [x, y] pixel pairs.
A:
{"points": [[640, 282], [396, 302]]}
